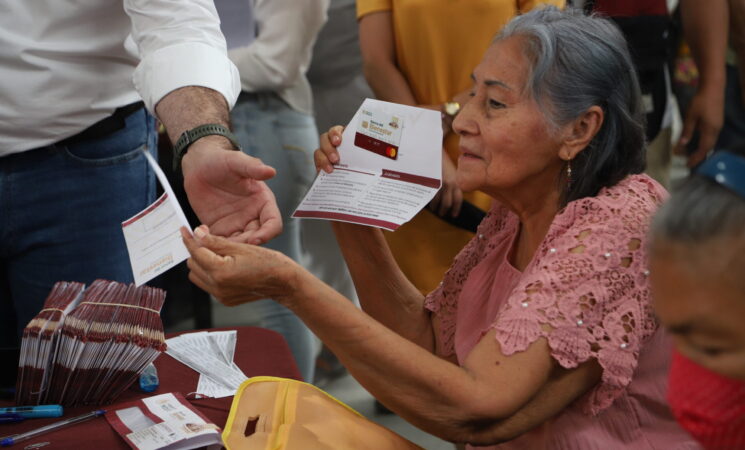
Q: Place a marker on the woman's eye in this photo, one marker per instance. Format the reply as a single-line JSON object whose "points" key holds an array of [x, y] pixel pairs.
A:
{"points": [[711, 351], [471, 94], [495, 104]]}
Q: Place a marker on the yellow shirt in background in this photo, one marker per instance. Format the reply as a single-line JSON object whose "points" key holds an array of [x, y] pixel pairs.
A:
{"points": [[438, 44]]}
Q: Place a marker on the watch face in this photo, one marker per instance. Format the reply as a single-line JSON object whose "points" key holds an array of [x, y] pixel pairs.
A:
{"points": [[452, 108]]}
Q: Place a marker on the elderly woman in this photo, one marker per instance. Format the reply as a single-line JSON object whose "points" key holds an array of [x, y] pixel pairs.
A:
{"points": [[541, 335], [698, 261]]}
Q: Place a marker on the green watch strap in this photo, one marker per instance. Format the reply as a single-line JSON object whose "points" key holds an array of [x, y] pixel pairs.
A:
{"points": [[188, 137]]}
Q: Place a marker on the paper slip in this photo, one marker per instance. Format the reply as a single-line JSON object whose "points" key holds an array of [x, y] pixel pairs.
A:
{"points": [[210, 354], [166, 420], [390, 168], [152, 235]]}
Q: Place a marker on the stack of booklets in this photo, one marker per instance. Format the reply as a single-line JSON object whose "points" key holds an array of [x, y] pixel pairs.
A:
{"points": [[86, 346]]}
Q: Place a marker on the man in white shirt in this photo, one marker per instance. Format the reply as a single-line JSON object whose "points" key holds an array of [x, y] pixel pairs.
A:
{"points": [[72, 128], [270, 41]]}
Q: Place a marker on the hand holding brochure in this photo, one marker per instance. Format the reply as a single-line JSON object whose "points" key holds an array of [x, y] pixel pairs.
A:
{"points": [[390, 167]]}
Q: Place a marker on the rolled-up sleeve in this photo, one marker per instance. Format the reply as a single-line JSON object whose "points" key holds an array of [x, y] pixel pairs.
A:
{"points": [[180, 44]]}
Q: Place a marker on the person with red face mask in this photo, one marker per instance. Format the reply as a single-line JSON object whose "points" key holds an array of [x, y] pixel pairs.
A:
{"points": [[697, 263]]}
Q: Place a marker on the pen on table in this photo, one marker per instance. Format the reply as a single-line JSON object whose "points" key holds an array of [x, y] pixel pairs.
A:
{"points": [[33, 412], [10, 440]]}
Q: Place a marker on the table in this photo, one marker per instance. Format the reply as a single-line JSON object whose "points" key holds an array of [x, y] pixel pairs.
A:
{"points": [[258, 352]]}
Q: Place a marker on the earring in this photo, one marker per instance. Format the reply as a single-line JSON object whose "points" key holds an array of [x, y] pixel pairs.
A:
{"points": [[569, 173]]}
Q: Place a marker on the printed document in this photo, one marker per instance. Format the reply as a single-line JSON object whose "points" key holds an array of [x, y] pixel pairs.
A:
{"points": [[390, 167], [152, 236]]}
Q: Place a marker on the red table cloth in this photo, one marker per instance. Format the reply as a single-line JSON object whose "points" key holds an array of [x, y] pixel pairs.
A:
{"points": [[258, 352]]}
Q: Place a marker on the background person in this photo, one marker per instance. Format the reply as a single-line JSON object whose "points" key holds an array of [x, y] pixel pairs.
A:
{"points": [[273, 120], [422, 53], [697, 262], [541, 334]]}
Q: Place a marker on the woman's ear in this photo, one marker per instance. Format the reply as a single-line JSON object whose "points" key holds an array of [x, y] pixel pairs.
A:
{"points": [[581, 132]]}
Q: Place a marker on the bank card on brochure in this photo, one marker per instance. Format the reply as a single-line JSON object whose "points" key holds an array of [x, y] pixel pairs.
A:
{"points": [[390, 167], [152, 236]]}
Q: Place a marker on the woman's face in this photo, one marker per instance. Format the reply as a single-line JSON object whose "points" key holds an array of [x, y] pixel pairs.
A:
{"points": [[702, 309], [505, 142]]}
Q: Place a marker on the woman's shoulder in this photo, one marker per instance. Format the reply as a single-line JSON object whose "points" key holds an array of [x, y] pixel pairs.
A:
{"points": [[628, 205]]}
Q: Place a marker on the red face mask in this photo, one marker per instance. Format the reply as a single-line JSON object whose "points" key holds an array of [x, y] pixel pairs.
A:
{"points": [[711, 407]]}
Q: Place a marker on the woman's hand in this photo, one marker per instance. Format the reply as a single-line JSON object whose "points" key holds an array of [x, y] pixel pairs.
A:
{"points": [[238, 273], [449, 198], [327, 155]]}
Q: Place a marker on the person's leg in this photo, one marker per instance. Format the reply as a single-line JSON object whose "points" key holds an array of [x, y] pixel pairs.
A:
{"points": [[284, 139], [63, 208]]}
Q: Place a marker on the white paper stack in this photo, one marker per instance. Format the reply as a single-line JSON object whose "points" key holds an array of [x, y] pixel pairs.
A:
{"points": [[210, 354]]}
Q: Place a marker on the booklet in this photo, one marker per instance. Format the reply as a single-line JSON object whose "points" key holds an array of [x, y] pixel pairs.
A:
{"points": [[390, 167], [163, 421]]}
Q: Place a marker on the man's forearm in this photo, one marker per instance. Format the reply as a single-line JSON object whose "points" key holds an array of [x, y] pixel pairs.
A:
{"points": [[189, 107]]}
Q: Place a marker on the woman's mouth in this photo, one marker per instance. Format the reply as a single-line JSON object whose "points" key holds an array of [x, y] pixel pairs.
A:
{"points": [[468, 155]]}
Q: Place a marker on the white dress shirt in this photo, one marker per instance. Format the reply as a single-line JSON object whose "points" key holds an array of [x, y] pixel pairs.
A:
{"points": [[66, 64], [276, 61]]}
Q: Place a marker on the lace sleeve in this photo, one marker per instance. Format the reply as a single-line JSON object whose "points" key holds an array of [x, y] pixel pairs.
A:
{"points": [[443, 301], [588, 283]]}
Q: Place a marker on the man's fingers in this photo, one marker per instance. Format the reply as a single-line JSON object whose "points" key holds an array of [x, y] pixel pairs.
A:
{"points": [[249, 167], [685, 135], [446, 201]]}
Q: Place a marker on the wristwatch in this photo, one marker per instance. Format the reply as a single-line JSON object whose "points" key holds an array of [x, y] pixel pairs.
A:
{"points": [[448, 111], [188, 137], [451, 109]]}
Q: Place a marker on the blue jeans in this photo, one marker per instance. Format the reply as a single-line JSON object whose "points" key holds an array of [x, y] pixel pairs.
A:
{"points": [[285, 139], [732, 135], [61, 209]]}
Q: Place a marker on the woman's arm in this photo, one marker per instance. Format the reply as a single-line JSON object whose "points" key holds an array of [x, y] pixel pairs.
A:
{"points": [[705, 26], [379, 59], [383, 290], [491, 398]]}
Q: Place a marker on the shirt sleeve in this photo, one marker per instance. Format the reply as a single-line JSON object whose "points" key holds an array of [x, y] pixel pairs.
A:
{"points": [[524, 6], [273, 60], [180, 44], [587, 291], [365, 7]]}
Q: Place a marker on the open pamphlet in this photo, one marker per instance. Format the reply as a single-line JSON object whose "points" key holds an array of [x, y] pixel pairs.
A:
{"points": [[163, 421], [390, 167], [211, 354]]}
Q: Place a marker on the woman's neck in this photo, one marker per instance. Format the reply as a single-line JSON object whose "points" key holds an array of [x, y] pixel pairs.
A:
{"points": [[535, 221]]}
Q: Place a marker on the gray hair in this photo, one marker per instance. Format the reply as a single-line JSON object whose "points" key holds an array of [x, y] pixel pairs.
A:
{"points": [[705, 223], [579, 61], [700, 210]]}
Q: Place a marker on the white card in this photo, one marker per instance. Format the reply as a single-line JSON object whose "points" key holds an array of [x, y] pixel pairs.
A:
{"points": [[152, 235]]}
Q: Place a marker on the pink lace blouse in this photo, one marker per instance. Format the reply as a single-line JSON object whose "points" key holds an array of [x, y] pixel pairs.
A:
{"points": [[588, 282]]}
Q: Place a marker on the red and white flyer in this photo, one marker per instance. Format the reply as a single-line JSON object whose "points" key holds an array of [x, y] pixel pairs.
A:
{"points": [[390, 167], [163, 421]]}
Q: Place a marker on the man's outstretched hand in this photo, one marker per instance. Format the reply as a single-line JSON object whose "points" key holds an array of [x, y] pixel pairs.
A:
{"points": [[227, 192]]}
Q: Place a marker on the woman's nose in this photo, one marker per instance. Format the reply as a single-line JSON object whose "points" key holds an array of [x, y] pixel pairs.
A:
{"points": [[463, 122]]}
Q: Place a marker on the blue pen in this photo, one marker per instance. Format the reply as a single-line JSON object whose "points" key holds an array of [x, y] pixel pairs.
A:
{"points": [[11, 440], [11, 418], [34, 412]]}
